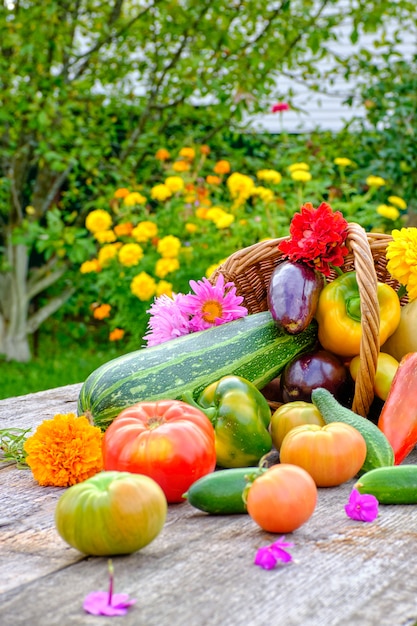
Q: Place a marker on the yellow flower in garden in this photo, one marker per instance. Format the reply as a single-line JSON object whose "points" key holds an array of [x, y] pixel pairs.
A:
{"points": [[133, 199], [105, 236], [143, 286], [130, 254], [106, 253], [98, 220], [402, 258], [398, 202], [213, 180], [121, 193], [144, 231], [116, 334], [162, 154], [222, 167], [343, 162], [187, 153], [390, 212], [298, 166], [163, 288], [169, 247], [301, 176], [240, 185], [191, 228], [166, 266], [214, 213], [270, 176], [160, 192], [375, 181], [90, 266], [224, 221], [180, 166], [64, 451], [266, 195], [102, 311], [123, 229], [174, 183]]}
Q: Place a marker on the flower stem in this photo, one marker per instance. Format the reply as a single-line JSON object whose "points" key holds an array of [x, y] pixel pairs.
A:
{"points": [[111, 581]]}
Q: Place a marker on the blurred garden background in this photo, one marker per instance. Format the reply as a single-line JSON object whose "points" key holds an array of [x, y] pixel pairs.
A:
{"points": [[130, 162]]}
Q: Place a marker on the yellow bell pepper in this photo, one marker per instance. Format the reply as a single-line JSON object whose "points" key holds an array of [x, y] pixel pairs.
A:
{"points": [[339, 315]]}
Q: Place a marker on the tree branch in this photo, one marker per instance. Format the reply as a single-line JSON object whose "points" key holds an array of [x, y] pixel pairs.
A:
{"points": [[44, 283], [46, 311]]}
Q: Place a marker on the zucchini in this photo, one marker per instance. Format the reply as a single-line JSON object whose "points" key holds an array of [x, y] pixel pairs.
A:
{"points": [[391, 485], [252, 347], [379, 452], [221, 492]]}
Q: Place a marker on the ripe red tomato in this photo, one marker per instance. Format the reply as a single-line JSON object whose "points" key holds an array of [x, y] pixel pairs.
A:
{"points": [[282, 499], [290, 415], [111, 513], [331, 454], [168, 440]]}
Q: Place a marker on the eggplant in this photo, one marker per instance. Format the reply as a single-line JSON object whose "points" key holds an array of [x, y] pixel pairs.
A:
{"points": [[293, 294], [318, 368]]}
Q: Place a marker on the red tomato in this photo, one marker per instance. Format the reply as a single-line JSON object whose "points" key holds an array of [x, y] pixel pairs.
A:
{"points": [[282, 499], [290, 415], [168, 440], [331, 454]]}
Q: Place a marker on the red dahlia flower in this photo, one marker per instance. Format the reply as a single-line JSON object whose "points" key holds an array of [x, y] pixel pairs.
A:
{"points": [[317, 238]]}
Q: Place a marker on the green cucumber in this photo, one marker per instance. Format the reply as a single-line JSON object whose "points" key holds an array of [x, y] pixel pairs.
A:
{"points": [[390, 485], [221, 492], [253, 347], [379, 452]]}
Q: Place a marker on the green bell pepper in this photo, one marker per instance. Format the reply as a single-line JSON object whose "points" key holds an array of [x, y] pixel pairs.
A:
{"points": [[240, 415]]}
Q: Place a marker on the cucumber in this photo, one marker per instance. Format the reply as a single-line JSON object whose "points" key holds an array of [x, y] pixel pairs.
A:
{"points": [[252, 347], [379, 452], [220, 492], [390, 485]]}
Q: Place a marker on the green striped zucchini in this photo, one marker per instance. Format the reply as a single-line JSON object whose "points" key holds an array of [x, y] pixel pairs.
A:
{"points": [[253, 347], [391, 485]]}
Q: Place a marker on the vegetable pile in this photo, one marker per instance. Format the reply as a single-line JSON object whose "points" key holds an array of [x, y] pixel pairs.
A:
{"points": [[199, 418]]}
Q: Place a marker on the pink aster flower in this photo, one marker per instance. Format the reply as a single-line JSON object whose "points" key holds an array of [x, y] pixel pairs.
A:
{"points": [[269, 556], [212, 305], [279, 107], [362, 507], [167, 320], [107, 602]]}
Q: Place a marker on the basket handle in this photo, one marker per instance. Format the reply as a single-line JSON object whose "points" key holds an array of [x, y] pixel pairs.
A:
{"points": [[358, 243]]}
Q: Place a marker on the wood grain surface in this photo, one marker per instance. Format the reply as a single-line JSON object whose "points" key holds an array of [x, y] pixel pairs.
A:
{"points": [[199, 571]]}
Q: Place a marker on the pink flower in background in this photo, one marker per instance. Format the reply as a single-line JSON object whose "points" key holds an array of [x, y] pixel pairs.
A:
{"points": [[268, 556], [362, 507], [279, 107], [167, 320], [212, 305]]}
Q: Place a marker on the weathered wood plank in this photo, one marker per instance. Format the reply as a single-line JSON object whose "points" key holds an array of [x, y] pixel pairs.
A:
{"points": [[199, 571]]}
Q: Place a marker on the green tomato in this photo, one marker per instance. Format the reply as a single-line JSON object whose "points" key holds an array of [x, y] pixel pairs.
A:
{"points": [[111, 513]]}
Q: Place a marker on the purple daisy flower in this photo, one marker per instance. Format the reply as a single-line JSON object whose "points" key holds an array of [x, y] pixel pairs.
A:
{"points": [[167, 320]]}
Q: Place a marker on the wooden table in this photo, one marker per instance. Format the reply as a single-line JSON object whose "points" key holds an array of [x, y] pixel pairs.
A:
{"points": [[199, 571]]}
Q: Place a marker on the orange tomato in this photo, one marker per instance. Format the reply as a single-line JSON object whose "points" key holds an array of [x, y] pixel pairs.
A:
{"points": [[331, 454], [290, 415], [281, 499]]}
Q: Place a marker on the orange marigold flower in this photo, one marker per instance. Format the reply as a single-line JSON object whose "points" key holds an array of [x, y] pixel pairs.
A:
{"points": [[64, 451], [121, 193], [102, 311], [204, 149], [90, 266], [180, 166], [125, 228], [116, 334], [213, 180], [187, 153], [222, 167], [162, 154]]}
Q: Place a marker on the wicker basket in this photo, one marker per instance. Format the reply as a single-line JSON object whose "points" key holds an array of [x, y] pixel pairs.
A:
{"points": [[250, 269]]}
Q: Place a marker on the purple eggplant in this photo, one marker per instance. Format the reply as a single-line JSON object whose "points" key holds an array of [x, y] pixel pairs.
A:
{"points": [[293, 294]]}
